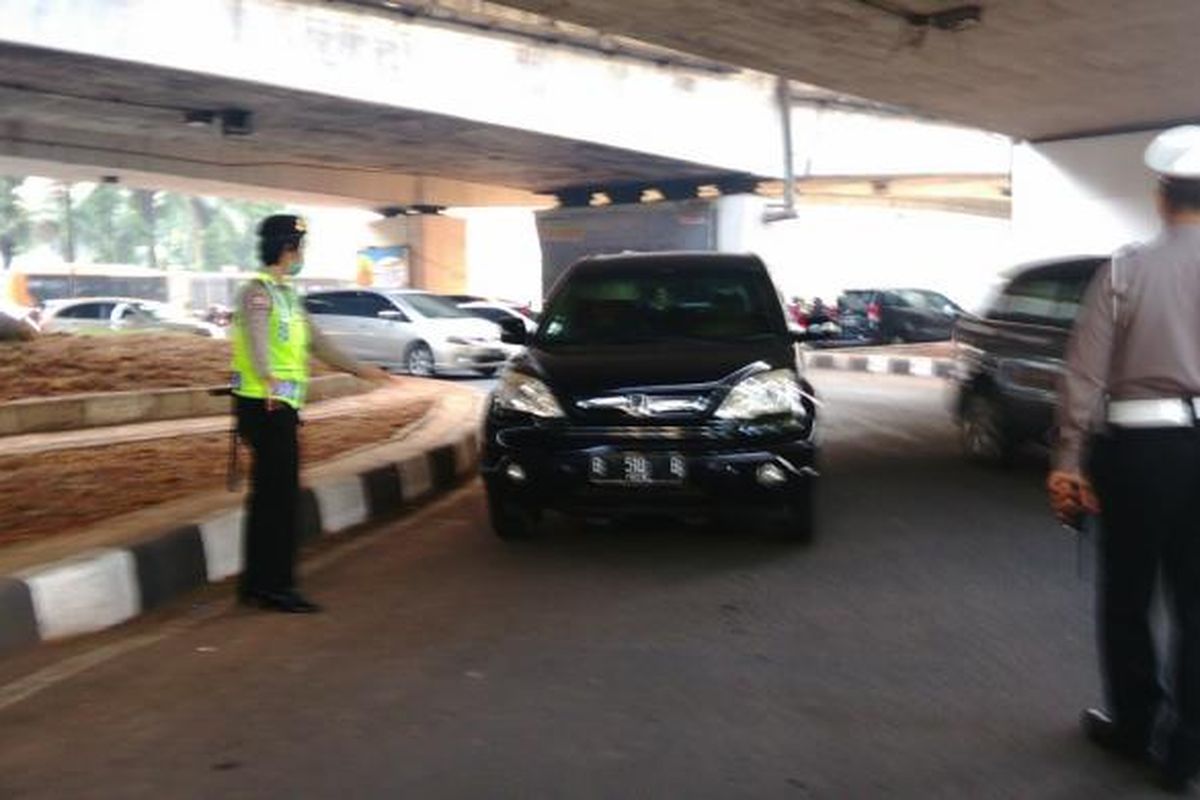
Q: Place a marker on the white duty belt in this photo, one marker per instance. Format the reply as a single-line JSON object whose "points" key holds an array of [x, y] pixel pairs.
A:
{"points": [[1166, 413]]}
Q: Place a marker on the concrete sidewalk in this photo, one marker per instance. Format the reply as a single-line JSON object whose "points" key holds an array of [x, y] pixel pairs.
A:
{"points": [[111, 572]]}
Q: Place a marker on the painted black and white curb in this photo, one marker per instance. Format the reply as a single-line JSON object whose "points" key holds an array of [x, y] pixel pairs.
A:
{"points": [[882, 364], [104, 587]]}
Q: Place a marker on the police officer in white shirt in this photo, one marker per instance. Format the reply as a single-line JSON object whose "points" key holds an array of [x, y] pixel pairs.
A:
{"points": [[1129, 451]]}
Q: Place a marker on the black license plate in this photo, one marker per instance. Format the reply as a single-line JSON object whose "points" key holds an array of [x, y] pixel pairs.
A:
{"points": [[638, 469]]}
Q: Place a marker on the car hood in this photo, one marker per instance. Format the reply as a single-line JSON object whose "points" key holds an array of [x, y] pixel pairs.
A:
{"points": [[578, 371]]}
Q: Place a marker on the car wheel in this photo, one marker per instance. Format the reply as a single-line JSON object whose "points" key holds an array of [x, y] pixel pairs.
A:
{"points": [[419, 360], [510, 520], [901, 335], [800, 525], [984, 438]]}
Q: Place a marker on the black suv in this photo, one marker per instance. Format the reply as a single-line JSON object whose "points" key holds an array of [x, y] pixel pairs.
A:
{"points": [[1010, 359], [655, 383], [887, 316]]}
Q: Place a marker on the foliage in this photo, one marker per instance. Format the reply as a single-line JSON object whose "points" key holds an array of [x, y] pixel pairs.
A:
{"points": [[14, 221], [109, 224]]}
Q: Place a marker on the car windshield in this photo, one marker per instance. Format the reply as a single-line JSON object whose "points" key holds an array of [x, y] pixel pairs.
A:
{"points": [[431, 306], [640, 306]]}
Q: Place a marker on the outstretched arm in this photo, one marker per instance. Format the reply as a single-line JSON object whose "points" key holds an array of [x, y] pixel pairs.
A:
{"points": [[326, 351]]}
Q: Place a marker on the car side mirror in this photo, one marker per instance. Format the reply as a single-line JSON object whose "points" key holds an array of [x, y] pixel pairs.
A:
{"points": [[392, 315], [512, 331]]}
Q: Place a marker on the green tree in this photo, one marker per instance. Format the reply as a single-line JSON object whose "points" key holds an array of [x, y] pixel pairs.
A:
{"points": [[66, 221], [98, 219], [14, 221], [145, 203]]}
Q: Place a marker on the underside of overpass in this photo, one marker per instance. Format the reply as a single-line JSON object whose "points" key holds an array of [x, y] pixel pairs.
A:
{"points": [[1032, 69], [126, 115], [84, 95], [350, 130]]}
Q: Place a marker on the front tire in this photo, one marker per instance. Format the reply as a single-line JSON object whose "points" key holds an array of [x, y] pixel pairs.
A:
{"points": [[800, 523], [418, 360], [511, 521]]}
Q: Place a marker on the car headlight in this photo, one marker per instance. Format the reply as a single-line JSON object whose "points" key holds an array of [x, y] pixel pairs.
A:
{"points": [[525, 394], [764, 395]]}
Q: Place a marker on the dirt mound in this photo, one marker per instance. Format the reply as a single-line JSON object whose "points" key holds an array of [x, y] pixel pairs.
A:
{"points": [[103, 482], [61, 364]]}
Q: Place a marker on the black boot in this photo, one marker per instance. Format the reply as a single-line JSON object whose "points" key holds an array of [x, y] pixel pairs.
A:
{"points": [[1103, 731], [289, 602]]}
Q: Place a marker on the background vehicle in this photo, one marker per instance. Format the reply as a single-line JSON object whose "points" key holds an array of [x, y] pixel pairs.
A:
{"points": [[886, 316], [36, 286], [411, 330], [1011, 357], [501, 314], [120, 315], [656, 383], [498, 312]]}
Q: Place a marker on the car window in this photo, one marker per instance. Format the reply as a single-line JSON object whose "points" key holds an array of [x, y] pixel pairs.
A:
{"points": [[88, 311], [488, 312], [80, 311], [646, 305], [909, 298], [432, 307], [855, 301], [938, 301], [1038, 301], [369, 304], [334, 303], [145, 312]]}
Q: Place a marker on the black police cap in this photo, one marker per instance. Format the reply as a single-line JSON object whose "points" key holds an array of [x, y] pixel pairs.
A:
{"points": [[282, 226]]}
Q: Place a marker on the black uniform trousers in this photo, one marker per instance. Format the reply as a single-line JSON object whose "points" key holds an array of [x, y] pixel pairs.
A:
{"points": [[1148, 484], [270, 537]]}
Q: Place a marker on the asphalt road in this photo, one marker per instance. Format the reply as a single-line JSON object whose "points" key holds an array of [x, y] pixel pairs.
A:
{"points": [[935, 642]]}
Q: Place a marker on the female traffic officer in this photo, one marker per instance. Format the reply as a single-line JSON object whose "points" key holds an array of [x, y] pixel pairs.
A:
{"points": [[272, 342]]}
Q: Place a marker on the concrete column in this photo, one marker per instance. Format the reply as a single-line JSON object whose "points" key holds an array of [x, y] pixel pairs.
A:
{"points": [[436, 250], [1082, 196]]}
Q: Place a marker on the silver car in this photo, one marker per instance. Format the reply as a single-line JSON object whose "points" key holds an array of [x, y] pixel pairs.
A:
{"points": [[120, 315], [407, 329]]}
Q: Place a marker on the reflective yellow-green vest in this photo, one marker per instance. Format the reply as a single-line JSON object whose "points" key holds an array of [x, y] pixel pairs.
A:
{"points": [[287, 347]]}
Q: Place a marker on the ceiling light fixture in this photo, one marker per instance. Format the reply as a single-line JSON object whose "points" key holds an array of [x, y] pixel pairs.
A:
{"points": [[198, 118], [236, 122], [954, 19]]}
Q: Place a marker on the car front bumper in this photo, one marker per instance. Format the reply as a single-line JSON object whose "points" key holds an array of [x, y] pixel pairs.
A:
{"points": [[469, 357], [724, 471]]}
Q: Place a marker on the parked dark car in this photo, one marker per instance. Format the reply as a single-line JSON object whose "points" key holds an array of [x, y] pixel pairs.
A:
{"points": [[655, 383], [1011, 357], [889, 316]]}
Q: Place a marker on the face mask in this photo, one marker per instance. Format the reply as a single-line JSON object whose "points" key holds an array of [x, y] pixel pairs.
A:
{"points": [[295, 268]]}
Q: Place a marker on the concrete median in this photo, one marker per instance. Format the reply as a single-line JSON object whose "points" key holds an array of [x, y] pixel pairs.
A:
{"points": [[882, 364], [192, 545], [74, 412]]}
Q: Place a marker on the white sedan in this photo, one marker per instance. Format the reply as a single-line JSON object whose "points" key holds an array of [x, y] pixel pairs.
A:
{"points": [[418, 332], [121, 315]]}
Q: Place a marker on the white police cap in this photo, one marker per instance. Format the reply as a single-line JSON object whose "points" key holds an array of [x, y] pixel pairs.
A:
{"points": [[1175, 153]]}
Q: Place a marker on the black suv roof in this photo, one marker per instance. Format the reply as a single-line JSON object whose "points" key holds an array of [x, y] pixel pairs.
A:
{"points": [[671, 260], [1062, 267]]}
